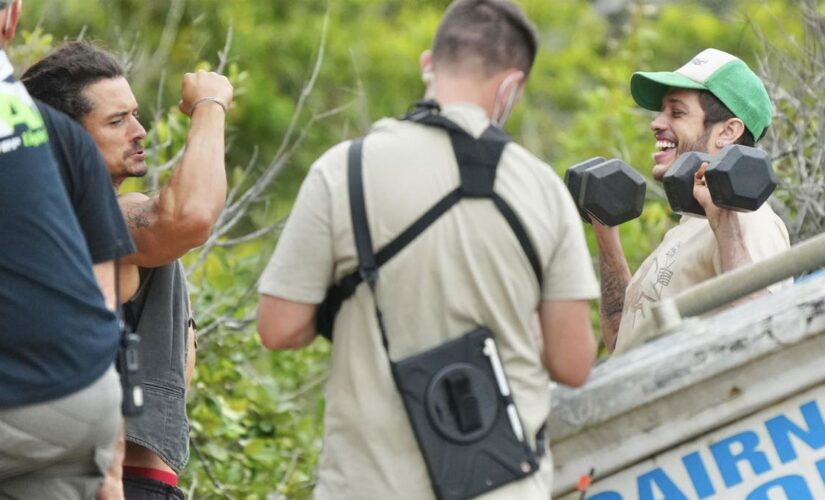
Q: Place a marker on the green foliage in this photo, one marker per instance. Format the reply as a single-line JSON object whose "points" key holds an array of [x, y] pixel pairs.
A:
{"points": [[34, 46], [795, 138], [257, 417]]}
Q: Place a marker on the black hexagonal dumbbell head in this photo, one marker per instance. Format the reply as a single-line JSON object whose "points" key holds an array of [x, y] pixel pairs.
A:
{"points": [[741, 178], [678, 183], [573, 180], [612, 192]]}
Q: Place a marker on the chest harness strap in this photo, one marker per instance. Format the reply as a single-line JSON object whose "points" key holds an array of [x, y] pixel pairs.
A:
{"points": [[477, 162]]}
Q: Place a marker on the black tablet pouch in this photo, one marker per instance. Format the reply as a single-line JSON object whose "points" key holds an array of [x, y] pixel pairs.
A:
{"points": [[456, 394], [466, 424]]}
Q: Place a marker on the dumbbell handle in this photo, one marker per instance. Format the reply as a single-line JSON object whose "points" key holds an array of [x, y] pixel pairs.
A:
{"points": [[729, 187]]}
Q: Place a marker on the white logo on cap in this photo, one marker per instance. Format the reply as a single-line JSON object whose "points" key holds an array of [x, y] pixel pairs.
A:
{"points": [[704, 64]]}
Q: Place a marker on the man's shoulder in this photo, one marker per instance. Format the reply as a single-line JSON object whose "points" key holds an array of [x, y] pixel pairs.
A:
{"points": [[767, 224], [519, 161], [390, 137], [525, 157], [766, 213], [332, 162], [764, 221], [384, 134]]}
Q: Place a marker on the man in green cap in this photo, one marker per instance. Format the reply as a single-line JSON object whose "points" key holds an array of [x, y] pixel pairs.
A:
{"points": [[712, 101]]}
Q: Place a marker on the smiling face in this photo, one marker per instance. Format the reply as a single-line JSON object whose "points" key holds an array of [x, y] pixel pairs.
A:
{"points": [[679, 128], [114, 126]]}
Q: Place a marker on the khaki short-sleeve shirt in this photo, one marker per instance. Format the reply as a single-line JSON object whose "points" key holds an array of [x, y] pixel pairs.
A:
{"points": [[687, 256], [465, 270]]}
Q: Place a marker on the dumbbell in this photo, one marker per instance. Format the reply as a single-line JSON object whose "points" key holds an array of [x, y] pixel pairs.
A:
{"points": [[609, 191], [739, 178]]}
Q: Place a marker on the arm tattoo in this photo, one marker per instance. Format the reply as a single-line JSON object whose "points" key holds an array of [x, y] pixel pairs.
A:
{"points": [[613, 295], [138, 216], [613, 291]]}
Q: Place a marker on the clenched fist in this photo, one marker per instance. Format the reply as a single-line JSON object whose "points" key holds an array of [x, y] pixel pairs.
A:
{"points": [[198, 88]]}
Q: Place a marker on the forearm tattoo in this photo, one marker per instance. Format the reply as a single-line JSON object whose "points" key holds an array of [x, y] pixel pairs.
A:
{"points": [[613, 291]]}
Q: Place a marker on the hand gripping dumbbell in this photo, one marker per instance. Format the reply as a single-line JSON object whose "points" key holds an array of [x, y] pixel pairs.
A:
{"points": [[739, 178], [609, 191]]}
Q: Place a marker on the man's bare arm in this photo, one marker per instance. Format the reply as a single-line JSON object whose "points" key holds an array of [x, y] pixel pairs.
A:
{"points": [[284, 324], [181, 216], [569, 345], [105, 277], [614, 276], [733, 253], [732, 250]]}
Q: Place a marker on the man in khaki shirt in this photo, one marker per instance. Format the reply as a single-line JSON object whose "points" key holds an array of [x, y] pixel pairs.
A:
{"points": [[714, 100], [467, 269]]}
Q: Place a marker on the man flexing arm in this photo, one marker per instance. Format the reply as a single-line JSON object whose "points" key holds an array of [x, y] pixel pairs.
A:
{"points": [[90, 85], [180, 217]]}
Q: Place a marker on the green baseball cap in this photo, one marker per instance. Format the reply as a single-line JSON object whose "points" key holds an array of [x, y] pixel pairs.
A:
{"points": [[724, 75]]}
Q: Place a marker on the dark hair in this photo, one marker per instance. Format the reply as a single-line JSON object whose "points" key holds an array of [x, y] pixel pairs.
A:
{"points": [[60, 78], [496, 34], [716, 112]]}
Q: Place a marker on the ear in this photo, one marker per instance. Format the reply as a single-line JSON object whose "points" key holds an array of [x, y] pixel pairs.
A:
{"points": [[10, 23], [729, 132], [511, 79], [425, 60]]}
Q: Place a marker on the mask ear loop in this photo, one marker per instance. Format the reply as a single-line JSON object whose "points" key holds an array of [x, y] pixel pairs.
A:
{"points": [[499, 119], [511, 102], [428, 77]]}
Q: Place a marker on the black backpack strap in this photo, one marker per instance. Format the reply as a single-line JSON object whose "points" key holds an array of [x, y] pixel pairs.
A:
{"points": [[477, 161], [344, 289], [368, 261], [367, 266], [418, 227], [523, 237]]}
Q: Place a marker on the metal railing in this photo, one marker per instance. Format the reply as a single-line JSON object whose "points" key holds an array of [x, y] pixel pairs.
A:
{"points": [[725, 288]]}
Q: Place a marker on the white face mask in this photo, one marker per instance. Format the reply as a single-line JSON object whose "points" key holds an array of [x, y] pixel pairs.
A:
{"points": [[502, 112]]}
